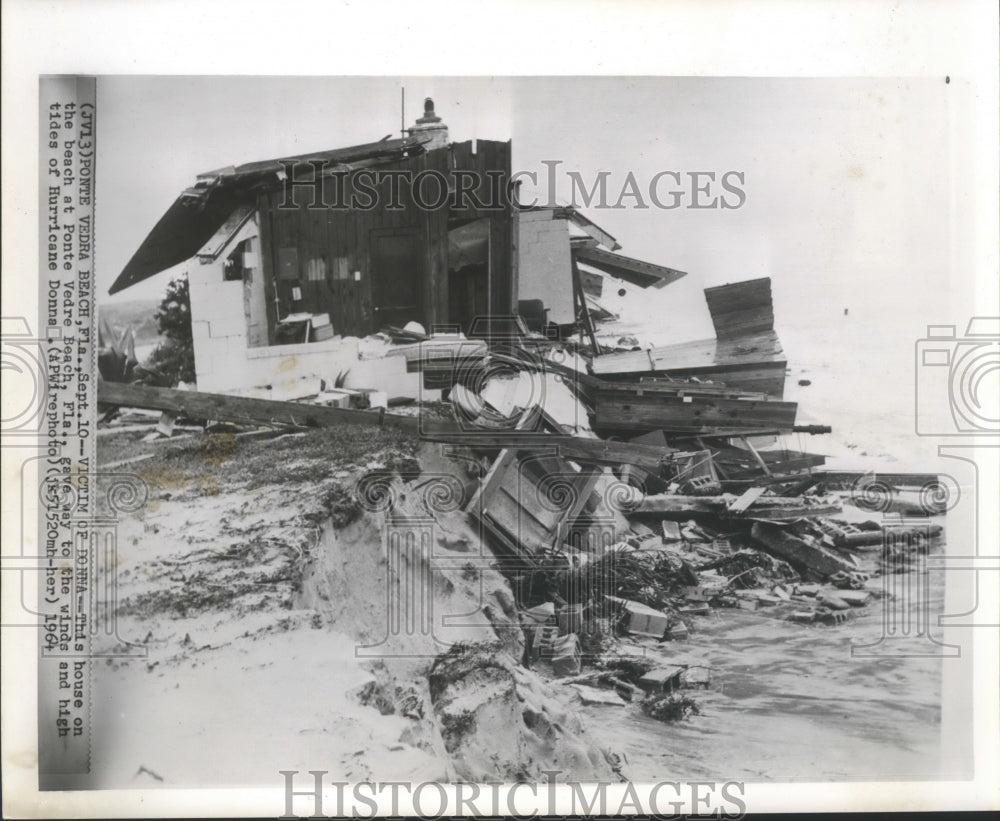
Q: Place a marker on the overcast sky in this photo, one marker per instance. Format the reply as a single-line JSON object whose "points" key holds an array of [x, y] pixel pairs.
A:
{"points": [[847, 182]]}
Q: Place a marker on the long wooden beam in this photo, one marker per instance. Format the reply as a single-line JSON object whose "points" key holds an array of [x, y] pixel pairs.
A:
{"points": [[244, 410], [248, 411], [846, 479], [646, 411], [578, 448]]}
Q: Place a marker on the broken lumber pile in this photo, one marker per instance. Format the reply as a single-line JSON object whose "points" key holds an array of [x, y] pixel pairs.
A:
{"points": [[745, 354]]}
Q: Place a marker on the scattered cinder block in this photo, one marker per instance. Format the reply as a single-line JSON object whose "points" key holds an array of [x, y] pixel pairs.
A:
{"points": [[570, 619], [334, 398], [697, 676], [832, 600], [698, 594], [678, 631], [165, 427], [545, 637], [662, 680], [645, 621], [831, 616], [594, 696], [855, 598], [542, 614], [566, 655]]}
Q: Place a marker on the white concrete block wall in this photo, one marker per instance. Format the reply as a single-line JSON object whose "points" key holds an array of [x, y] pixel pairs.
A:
{"points": [[218, 322], [224, 327], [224, 362], [545, 264]]}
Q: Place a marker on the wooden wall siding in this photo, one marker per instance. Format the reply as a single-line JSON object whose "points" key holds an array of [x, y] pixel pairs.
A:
{"points": [[741, 309], [266, 259], [491, 155], [435, 226], [339, 242]]}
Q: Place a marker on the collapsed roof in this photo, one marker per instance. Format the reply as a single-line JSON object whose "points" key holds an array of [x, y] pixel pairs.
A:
{"points": [[200, 211]]}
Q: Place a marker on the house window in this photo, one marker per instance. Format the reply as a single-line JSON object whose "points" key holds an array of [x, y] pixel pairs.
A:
{"points": [[238, 263], [316, 270]]}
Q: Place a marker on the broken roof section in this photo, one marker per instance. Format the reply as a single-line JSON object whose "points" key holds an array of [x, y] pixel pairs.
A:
{"points": [[574, 217], [643, 274], [200, 211], [586, 249]]}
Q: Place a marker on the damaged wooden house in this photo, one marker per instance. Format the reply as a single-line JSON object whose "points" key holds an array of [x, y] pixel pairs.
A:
{"points": [[295, 261]]}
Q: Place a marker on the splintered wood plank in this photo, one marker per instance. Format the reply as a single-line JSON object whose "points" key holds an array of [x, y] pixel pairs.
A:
{"points": [[748, 498]]}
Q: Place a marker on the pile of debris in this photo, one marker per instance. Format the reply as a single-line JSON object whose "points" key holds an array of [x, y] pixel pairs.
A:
{"points": [[628, 494]]}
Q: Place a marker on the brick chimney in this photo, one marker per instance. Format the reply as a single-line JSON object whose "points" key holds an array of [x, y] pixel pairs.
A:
{"points": [[430, 125]]}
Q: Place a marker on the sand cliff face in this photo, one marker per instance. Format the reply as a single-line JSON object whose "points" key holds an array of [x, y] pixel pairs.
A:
{"points": [[288, 626], [437, 620]]}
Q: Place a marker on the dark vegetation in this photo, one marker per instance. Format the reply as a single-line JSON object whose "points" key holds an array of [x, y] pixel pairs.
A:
{"points": [[173, 358]]}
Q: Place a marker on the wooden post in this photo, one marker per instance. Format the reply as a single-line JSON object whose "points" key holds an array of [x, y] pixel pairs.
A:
{"points": [[757, 456], [588, 323]]}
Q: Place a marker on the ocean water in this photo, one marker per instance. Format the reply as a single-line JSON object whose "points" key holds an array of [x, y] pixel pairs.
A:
{"points": [[861, 368], [789, 702]]}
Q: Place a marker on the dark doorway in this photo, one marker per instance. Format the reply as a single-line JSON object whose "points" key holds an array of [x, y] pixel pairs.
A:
{"points": [[467, 296], [469, 272], [397, 278]]}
